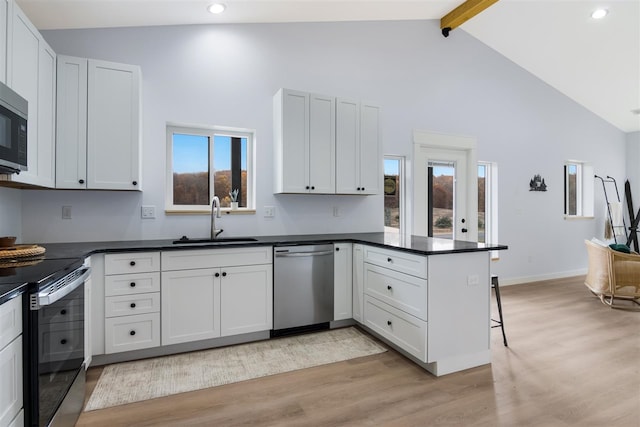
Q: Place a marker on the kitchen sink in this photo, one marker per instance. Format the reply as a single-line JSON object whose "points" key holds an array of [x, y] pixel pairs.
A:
{"points": [[185, 240]]}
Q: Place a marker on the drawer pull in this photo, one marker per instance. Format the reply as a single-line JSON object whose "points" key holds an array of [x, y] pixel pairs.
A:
{"points": [[224, 274], [63, 312], [217, 274], [133, 305], [389, 322], [389, 287], [132, 284], [389, 260], [132, 263], [132, 333], [63, 341]]}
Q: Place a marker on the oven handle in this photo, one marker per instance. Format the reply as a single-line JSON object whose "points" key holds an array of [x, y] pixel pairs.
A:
{"points": [[48, 296]]}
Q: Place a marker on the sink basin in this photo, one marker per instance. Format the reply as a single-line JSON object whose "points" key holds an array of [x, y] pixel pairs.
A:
{"points": [[186, 240]]}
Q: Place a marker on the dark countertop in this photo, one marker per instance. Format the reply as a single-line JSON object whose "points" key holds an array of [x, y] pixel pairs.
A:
{"points": [[413, 244]]}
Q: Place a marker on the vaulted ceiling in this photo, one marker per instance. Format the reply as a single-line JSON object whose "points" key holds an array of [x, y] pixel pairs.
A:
{"points": [[594, 62]]}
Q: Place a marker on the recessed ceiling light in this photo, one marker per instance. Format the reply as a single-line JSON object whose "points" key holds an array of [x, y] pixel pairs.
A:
{"points": [[599, 13], [216, 8]]}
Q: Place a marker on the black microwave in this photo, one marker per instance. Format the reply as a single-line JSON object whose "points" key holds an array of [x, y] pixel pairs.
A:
{"points": [[13, 131]]}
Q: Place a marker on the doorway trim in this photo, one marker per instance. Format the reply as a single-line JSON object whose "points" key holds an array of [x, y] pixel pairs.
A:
{"points": [[426, 143]]}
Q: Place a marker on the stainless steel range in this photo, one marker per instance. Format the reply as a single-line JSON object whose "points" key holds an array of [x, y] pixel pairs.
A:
{"points": [[54, 372]]}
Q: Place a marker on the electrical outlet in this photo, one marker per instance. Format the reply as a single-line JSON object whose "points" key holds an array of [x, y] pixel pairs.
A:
{"points": [[473, 280], [148, 212], [269, 211], [66, 212]]}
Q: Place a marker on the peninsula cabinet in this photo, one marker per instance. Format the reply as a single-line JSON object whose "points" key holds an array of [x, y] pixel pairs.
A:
{"points": [[434, 309], [304, 142], [98, 125], [358, 148], [31, 72], [210, 293]]}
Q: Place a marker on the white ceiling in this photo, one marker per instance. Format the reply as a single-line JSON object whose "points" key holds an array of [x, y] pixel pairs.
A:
{"points": [[596, 63]]}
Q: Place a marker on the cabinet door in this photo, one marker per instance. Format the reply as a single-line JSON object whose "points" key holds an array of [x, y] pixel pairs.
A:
{"points": [[347, 143], [4, 14], [22, 77], [71, 130], [11, 384], [190, 305], [246, 297], [46, 115], [370, 150], [358, 282], [113, 126], [322, 144], [342, 281], [292, 142]]}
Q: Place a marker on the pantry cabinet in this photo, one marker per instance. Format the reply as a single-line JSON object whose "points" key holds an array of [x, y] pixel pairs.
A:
{"points": [[358, 148], [31, 72], [304, 126], [91, 152]]}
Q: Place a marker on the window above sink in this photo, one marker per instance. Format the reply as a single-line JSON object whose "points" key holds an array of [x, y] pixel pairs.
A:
{"points": [[207, 161]]}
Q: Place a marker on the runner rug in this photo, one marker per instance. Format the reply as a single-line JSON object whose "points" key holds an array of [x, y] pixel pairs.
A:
{"points": [[140, 380]]}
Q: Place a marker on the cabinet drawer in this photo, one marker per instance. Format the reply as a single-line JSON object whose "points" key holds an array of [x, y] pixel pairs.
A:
{"points": [[11, 381], [407, 293], [132, 332], [132, 262], [129, 284], [126, 305], [10, 320], [406, 331], [415, 265], [213, 258]]}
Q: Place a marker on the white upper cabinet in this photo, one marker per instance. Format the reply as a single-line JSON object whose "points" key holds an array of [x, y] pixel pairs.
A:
{"points": [[358, 148], [98, 133], [71, 132], [4, 14], [113, 126], [304, 138], [325, 145], [30, 71]]}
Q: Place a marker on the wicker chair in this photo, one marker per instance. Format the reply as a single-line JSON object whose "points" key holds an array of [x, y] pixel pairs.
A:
{"points": [[613, 276]]}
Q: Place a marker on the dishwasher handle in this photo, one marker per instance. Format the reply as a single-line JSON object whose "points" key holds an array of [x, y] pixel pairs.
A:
{"points": [[302, 254]]}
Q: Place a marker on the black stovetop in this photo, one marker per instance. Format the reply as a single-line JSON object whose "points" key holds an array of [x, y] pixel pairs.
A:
{"points": [[35, 273]]}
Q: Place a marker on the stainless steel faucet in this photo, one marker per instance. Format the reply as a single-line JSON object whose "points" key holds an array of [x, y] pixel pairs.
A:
{"points": [[215, 207]]}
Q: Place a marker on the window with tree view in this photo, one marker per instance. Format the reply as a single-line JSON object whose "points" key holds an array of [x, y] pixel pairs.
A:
{"points": [[203, 163]]}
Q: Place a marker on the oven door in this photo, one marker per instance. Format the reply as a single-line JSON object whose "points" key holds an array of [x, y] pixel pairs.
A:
{"points": [[56, 355]]}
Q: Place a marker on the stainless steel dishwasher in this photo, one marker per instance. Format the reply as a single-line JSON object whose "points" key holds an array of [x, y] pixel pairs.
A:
{"points": [[303, 288]]}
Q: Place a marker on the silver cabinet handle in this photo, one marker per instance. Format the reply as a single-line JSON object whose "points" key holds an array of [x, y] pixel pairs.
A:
{"points": [[301, 254]]}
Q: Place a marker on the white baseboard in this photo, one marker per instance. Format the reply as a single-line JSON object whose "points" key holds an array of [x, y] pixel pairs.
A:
{"points": [[528, 279]]}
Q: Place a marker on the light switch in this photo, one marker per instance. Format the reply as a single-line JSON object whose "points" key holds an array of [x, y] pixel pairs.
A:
{"points": [[66, 212]]}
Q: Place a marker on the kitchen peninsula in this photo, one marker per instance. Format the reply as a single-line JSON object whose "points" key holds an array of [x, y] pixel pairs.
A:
{"points": [[428, 298]]}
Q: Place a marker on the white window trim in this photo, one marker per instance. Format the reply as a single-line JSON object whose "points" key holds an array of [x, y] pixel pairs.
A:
{"points": [[211, 132], [403, 191], [491, 201], [585, 182]]}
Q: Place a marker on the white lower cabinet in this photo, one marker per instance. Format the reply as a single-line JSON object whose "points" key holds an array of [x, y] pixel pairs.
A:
{"points": [[190, 305], [245, 299], [131, 301], [343, 281], [11, 362], [358, 282], [126, 333], [209, 293], [404, 330]]}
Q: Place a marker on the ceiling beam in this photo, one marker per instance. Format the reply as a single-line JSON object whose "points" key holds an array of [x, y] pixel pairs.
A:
{"points": [[463, 13]]}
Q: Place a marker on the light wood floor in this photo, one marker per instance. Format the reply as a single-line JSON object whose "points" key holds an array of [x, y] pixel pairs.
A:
{"points": [[571, 361]]}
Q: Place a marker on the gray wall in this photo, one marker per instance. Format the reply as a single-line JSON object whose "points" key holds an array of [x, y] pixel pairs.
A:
{"points": [[227, 75], [11, 212], [633, 167]]}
